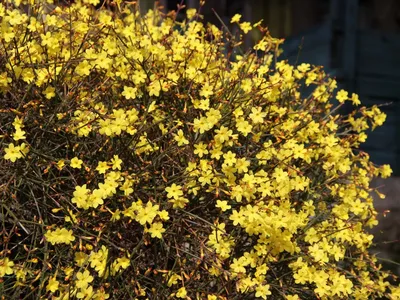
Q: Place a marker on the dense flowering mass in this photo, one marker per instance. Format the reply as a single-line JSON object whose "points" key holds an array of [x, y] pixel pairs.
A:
{"points": [[145, 157]]}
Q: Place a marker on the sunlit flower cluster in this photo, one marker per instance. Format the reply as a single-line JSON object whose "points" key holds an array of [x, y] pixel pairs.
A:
{"points": [[161, 160]]}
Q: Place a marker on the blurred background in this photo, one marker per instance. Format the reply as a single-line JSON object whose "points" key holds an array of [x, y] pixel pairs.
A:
{"points": [[358, 42]]}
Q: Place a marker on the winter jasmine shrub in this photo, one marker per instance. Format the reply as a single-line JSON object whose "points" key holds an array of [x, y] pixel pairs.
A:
{"points": [[148, 158]]}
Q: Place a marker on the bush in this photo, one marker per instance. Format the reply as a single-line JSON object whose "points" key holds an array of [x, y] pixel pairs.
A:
{"points": [[150, 158]]}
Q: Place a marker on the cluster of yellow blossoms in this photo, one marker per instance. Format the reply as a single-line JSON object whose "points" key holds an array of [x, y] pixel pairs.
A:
{"points": [[160, 161]]}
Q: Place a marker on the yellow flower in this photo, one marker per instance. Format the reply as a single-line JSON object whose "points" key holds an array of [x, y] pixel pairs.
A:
{"points": [[102, 167], [127, 187], [13, 152], [129, 92], [386, 171], [60, 236], [6, 267], [172, 278], [180, 138], [60, 164], [201, 149], [342, 96], [116, 162], [98, 260], [154, 88], [81, 196], [20, 274], [152, 107], [76, 163], [71, 217], [206, 91], [355, 99], [303, 67], [242, 165], [147, 214], [179, 202], [101, 295], [174, 191], [263, 291], [163, 215], [223, 205], [245, 26], [83, 279], [257, 116], [216, 151], [81, 258], [138, 77], [203, 124], [85, 293], [229, 158], [236, 18], [156, 230], [49, 92], [68, 271], [181, 293], [18, 122], [190, 13], [19, 134], [379, 118], [53, 284], [83, 68], [124, 262], [222, 134], [243, 126]]}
